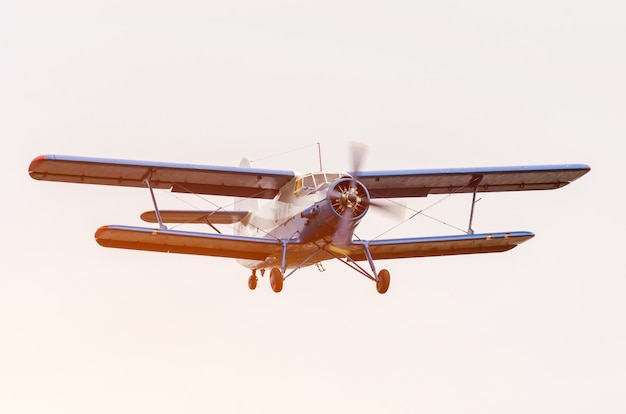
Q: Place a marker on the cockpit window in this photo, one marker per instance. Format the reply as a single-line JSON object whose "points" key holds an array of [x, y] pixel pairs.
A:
{"points": [[311, 183], [308, 183], [332, 177]]}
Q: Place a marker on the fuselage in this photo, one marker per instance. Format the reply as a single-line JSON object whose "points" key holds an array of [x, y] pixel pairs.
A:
{"points": [[302, 212]]}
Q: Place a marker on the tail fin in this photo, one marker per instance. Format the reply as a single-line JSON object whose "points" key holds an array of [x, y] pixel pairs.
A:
{"points": [[244, 203]]}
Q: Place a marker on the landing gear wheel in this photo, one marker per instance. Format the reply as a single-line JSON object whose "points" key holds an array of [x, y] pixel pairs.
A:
{"points": [[252, 282], [276, 279], [382, 284]]}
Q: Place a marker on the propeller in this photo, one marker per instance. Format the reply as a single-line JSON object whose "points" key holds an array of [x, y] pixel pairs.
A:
{"points": [[351, 200], [359, 150]]}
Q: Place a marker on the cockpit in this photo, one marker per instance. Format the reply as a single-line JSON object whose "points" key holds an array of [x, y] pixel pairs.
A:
{"points": [[313, 182]]}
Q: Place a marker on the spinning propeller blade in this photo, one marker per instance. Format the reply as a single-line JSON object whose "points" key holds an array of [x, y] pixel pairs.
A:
{"points": [[350, 197], [351, 200], [359, 151]]}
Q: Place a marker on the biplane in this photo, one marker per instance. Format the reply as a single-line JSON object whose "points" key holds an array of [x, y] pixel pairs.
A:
{"points": [[306, 218]]}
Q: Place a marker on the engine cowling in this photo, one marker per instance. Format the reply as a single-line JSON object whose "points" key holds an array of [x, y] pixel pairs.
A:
{"points": [[349, 199]]}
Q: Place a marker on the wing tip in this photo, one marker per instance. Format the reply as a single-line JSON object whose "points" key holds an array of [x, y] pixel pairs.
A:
{"points": [[40, 158], [148, 216], [524, 236], [101, 230], [585, 168], [32, 167]]}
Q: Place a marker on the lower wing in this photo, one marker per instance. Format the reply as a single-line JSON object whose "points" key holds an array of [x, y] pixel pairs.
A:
{"points": [[255, 248], [438, 245], [173, 241]]}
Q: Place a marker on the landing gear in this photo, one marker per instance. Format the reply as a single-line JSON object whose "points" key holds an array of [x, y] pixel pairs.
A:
{"points": [[382, 281], [252, 280], [276, 279]]}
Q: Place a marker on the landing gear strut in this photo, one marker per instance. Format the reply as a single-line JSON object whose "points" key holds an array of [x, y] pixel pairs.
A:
{"points": [[382, 279]]}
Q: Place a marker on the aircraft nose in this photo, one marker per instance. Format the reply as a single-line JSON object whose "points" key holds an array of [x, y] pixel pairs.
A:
{"points": [[349, 195], [352, 198]]}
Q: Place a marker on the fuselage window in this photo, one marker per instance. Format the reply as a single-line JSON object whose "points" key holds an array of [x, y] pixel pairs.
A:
{"points": [[298, 189]]}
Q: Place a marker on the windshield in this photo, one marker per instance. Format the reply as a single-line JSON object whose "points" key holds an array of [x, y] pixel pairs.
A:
{"points": [[313, 182]]}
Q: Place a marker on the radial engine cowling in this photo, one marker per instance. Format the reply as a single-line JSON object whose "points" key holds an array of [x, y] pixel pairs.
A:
{"points": [[349, 199]]}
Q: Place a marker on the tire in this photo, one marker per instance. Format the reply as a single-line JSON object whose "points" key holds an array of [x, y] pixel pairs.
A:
{"points": [[252, 281], [382, 284], [276, 280]]}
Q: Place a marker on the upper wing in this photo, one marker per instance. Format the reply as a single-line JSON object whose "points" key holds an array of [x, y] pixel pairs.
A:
{"points": [[420, 183], [439, 245], [262, 183], [199, 179]]}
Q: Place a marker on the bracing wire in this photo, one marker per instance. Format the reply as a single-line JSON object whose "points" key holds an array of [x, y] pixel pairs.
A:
{"points": [[290, 151], [422, 213]]}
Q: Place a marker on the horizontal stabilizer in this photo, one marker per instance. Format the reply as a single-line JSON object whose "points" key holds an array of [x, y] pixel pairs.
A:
{"points": [[203, 217]]}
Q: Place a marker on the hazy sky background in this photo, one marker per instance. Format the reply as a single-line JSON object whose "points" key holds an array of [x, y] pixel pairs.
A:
{"points": [[542, 328]]}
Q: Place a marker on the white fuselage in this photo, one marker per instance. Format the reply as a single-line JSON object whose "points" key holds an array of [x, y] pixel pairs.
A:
{"points": [[279, 217]]}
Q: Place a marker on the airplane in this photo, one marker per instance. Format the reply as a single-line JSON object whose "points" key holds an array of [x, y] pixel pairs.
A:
{"points": [[308, 218]]}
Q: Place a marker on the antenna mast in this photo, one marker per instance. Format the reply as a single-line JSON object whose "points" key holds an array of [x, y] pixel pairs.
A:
{"points": [[319, 155]]}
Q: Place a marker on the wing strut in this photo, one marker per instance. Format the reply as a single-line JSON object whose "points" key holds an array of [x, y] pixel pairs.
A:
{"points": [[283, 263], [156, 207], [475, 181]]}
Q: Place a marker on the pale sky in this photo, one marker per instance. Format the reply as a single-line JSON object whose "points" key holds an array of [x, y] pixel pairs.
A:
{"points": [[540, 329]]}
